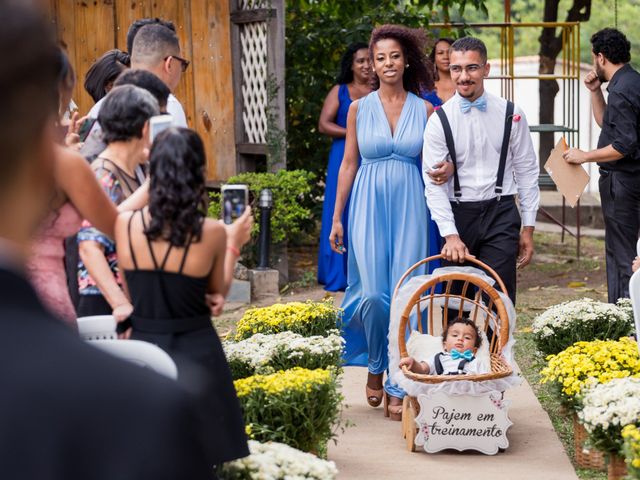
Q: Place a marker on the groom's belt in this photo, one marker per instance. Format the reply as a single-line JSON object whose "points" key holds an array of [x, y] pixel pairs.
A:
{"points": [[484, 203]]}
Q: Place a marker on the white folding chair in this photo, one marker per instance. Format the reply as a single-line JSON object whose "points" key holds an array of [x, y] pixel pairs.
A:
{"points": [[144, 354], [100, 331], [97, 327]]}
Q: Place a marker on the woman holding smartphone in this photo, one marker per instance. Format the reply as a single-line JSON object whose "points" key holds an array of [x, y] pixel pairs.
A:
{"points": [[172, 256]]}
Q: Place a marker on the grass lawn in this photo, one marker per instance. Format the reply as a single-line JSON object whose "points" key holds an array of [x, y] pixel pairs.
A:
{"points": [[556, 276]]}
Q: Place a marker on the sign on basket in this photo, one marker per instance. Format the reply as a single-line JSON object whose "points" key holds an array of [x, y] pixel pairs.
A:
{"points": [[463, 422]]}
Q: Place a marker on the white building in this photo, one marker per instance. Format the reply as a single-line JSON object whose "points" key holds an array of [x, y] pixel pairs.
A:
{"points": [[527, 97]]}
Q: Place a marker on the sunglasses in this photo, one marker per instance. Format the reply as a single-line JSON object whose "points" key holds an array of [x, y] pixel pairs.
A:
{"points": [[184, 64]]}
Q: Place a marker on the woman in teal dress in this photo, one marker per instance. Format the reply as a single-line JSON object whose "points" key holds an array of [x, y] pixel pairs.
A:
{"points": [[352, 83], [388, 218]]}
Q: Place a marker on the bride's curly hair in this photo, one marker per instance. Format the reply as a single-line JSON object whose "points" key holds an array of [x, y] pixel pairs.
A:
{"points": [[418, 78], [177, 190]]}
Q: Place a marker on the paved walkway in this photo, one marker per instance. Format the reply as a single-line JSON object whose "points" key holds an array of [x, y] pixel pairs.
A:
{"points": [[374, 447]]}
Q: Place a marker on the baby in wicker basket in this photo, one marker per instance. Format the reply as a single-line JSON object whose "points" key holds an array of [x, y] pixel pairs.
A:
{"points": [[461, 340]]}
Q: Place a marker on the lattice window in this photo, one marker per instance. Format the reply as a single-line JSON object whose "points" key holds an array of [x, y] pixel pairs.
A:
{"points": [[252, 4], [253, 40]]}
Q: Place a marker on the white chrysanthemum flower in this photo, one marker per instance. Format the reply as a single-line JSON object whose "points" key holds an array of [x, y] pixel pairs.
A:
{"points": [[585, 311], [616, 403], [276, 461], [259, 350]]}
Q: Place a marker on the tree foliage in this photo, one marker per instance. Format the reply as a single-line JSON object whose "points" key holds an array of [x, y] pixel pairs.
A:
{"points": [[593, 15], [550, 47], [317, 33], [602, 15]]}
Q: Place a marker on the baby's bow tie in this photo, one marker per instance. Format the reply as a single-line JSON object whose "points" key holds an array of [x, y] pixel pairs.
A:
{"points": [[479, 103], [467, 354]]}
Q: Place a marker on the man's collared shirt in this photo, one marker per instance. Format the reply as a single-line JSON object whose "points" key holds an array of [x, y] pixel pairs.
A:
{"points": [[477, 137], [174, 108], [621, 120]]}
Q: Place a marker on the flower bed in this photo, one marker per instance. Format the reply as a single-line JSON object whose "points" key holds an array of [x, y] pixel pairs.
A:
{"points": [[298, 407], [580, 320], [265, 354], [276, 461], [304, 318], [607, 408], [588, 363], [631, 449], [626, 306]]}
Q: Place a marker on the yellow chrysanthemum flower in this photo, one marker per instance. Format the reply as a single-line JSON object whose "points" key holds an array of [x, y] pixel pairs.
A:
{"points": [[588, 363], [299, 317], [297, 378]]}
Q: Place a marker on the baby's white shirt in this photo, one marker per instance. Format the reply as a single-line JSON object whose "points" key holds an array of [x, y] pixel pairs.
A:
{"points": [[449, 365]]}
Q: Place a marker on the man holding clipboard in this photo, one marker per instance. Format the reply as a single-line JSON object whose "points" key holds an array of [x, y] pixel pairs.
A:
{"points": [[618, 155]]}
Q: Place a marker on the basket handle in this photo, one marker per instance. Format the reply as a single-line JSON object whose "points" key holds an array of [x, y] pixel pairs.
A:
{"points": [[474, 260], [503, 333]]}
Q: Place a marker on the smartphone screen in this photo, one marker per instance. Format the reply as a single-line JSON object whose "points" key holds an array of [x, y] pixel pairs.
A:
{"points": [[234, 201], [159, 123], [85, 128]]}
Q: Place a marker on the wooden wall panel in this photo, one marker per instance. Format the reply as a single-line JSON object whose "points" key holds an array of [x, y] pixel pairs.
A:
{"points": [[94, 35], [126, 14], [90, 28], [214, 115], [66, 27]]}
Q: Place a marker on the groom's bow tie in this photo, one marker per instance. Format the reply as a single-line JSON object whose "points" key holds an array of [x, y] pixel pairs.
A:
{"points": [[479, 103]]}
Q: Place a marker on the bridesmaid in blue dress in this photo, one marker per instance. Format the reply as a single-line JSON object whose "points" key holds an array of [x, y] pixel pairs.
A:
{"points": [[388, 214], [439, 56], [353, 83]]}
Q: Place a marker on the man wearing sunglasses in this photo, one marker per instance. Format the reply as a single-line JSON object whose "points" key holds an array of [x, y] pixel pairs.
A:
{"points": [[156, 49], [487, 139]]}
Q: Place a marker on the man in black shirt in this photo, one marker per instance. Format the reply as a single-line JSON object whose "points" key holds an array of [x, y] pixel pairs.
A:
{"points": [[618, 153]]}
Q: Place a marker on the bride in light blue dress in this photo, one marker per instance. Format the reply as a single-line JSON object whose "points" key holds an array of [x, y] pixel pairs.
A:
{"points": [[389, 223]]}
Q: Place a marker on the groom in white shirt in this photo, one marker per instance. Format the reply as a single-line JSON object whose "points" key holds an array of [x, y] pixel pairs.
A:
{"points": [[490, 146]]}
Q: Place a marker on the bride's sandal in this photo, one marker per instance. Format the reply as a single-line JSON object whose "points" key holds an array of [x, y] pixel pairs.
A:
{"points": [[393, 411], [374, 397]]}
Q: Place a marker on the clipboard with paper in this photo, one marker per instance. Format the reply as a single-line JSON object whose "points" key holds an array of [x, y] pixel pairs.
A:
{"points": [[570, 179]]}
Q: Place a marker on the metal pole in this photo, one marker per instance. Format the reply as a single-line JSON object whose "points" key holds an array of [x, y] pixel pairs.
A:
{"points": [[264, 240]]}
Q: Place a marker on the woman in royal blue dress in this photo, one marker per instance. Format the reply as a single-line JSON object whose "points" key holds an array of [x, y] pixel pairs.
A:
{"points": [[388, 215], [439, 56], [352, 83]]}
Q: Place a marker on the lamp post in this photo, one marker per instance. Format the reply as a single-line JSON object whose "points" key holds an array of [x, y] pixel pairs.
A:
{"points": [[264, 241]]}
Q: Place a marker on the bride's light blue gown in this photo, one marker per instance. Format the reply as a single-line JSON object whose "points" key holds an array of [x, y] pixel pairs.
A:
{"points": [[389, 226]]}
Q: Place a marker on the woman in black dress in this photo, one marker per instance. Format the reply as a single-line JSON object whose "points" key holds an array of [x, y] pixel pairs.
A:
{"points": [[172, 257]]}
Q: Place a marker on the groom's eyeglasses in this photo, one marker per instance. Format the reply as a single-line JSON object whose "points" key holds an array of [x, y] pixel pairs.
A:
{"points": [[471, 68]]}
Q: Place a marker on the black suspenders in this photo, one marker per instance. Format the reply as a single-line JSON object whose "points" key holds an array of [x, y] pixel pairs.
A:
{"points": [[440, 368], [505, 147], [448, 135]]}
